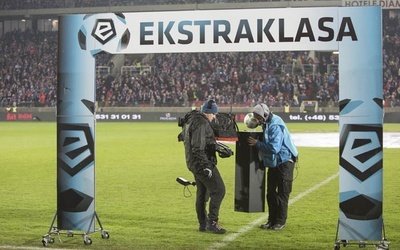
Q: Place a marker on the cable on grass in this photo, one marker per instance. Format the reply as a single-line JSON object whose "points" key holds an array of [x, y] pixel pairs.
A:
{"points": [[186, 192]]}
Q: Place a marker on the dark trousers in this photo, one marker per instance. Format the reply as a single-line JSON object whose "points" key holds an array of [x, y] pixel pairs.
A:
{"points": [[279, 187], [214, 188]]}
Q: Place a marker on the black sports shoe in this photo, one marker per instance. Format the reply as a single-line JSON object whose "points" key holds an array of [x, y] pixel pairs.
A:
{"points": [[267, 225], [278, 226], [203, 226], [215, 228]]}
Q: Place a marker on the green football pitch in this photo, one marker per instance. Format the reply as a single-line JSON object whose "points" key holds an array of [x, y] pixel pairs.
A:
{"points": [[142, 206]]}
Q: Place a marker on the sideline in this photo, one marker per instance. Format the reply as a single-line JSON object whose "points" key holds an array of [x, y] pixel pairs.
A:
{"points": [[389, 140], [331, 140], [32, 248], [231, 237]]}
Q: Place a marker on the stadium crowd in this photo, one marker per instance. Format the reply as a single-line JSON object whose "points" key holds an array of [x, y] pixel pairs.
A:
{"points": [[238, 78], [28, 75]]}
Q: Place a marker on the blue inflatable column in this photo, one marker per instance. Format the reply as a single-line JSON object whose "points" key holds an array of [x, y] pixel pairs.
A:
{"points": [[361, 118], [75, 130]]}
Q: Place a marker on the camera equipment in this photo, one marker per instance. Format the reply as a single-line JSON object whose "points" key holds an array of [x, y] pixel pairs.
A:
{"points": [[223, 150], [185, 182], [181, 121]]}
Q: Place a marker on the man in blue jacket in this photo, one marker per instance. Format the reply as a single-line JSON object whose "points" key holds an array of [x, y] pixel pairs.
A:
{"points": [[278, 153]]}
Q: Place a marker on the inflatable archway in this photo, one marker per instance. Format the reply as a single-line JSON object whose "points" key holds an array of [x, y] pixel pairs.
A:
{"points": [[355, 32]]}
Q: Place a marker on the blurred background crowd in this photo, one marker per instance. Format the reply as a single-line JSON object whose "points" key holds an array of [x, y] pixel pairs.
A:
{"points": [[28, 70], [43, 4]]}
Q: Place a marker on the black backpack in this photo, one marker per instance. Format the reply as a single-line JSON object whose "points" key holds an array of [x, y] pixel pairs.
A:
{"points": [[225, 126]]}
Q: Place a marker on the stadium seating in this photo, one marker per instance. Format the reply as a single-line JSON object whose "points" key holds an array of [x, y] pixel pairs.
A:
{"points": [[28, 71]]}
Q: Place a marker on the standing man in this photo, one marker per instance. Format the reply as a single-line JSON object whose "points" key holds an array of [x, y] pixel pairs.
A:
{"points": [[278, 153], [200, 151]]}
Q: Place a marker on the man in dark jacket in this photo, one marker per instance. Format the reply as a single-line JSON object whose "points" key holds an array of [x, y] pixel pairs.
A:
{"points": [[200, 152]]}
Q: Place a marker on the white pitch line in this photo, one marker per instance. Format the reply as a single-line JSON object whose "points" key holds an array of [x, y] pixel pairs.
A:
{"points": [[231, 237]]}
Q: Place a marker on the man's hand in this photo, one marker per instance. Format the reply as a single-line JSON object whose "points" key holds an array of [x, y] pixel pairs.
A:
{"points": [[251, 141], [207, 172]]}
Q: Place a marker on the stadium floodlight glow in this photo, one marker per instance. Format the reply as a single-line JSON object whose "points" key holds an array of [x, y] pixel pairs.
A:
{"points": [[355, 32]]}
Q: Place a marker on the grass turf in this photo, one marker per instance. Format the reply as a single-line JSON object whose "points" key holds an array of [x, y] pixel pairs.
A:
{"points": [[142, 206]]}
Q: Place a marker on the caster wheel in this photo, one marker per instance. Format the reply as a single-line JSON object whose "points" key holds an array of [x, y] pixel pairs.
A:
{"points": [[87, 241], [105, 235], [336, 247], [51, 240], [44, 242], [385, 243]]}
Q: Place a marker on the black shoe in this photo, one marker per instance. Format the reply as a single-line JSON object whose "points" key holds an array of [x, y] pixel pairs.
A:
{"points": [[267, 225], [203, 226], [278, 226], [215, 228]]}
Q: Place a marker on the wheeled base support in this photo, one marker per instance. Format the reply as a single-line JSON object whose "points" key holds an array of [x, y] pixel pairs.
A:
{"points": [[380, 245], [49, 237]]}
